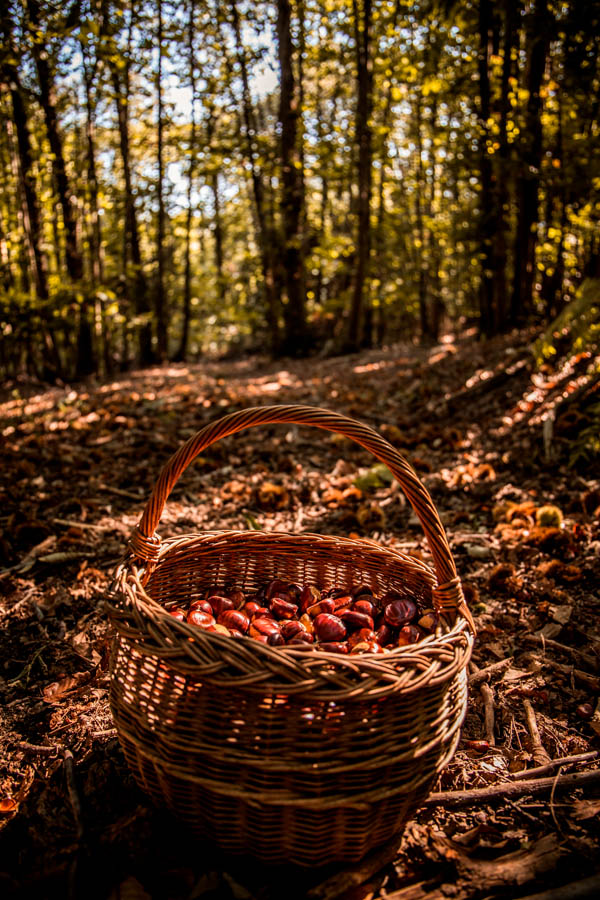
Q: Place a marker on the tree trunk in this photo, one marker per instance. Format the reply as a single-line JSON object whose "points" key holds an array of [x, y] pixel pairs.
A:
{"points": [[487, 218], [160, 307], [265, 236], [357, 333], [292, 193], [181, 354], [132, 251], [528, 182]]}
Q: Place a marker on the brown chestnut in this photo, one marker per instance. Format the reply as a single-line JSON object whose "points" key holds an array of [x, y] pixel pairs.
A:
{"points": [[234, 618], [384, 635], [277, 586], [329, 628], [220, 603], [353, 619], [237, 597], [409, 634], [202, 605], [282, 608], [263, 625], [362, 590], [177, 613], [251, 608], [364, 606], [399, 612], [360, 636], [429, 620], [291, 628], [334, 647], [303, 637], [308, 623], [326, 605], [309, 595], [275, 639], [367, 647], [293, 591], [202, 619], [218, 628]]}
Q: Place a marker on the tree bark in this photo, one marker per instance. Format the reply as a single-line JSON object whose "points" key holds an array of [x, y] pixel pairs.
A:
{"points": [[265, 236], [160, 304], [292, 189], [486, 202], [181, 354], [528, 182], [132, 251], [357, 333]]}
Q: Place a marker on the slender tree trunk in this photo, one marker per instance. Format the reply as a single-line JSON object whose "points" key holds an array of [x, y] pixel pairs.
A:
{"points": [[419, 214], [189, 218], [132, 250], [486, 196], [358, 334], [160, 300], [292, 184], [218, 238], [265, 236], [537, 44]]}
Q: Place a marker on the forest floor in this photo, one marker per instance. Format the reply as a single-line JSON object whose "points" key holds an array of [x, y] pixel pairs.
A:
{"points": [[78, 464]]}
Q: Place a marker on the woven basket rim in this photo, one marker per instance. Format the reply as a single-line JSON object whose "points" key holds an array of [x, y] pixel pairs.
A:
{"points": [[152, 629]]}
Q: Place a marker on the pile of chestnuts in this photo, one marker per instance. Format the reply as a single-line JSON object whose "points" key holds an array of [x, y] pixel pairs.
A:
{"points": [[331, 619]]}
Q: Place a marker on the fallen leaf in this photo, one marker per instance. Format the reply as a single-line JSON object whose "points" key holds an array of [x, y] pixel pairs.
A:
{"points": [[586, 809]]}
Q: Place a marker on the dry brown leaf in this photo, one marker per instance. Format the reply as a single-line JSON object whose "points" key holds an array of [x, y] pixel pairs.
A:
{"points": [[585, 809], [55, 692]]}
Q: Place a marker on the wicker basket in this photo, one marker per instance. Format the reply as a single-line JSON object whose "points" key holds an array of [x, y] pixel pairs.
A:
{"points": [[285, 754]]}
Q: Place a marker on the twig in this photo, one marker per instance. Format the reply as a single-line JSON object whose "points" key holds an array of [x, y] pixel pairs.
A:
{"points": [[120, 492], [590, 681], [485, 674], [547, 643], [69, 765], [109, 732], [555, 764], [39, 748], [488, 709], [455, 799], [88, 526], [588, 889], [540, 754]]}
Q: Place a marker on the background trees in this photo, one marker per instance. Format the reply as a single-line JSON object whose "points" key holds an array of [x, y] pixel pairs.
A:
{"points": [[184, 178]]}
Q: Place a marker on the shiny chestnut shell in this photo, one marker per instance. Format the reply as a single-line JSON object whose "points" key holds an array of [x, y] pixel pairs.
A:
{"points": [[408, 634], [236, 619], [326, 605], [178, 614], [399, 612], [329, 628], [202, 619], [282, 608], [334, 647], [353, 619]]}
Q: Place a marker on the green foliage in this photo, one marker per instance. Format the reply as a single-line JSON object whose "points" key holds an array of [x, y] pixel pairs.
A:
{"points": [[577, 327]]}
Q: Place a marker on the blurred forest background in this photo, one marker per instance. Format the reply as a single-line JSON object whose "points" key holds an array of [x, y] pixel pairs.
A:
{"points": [[187, 178]]}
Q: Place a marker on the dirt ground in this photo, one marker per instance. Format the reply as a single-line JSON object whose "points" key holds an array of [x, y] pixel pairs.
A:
{"points": [[79, 462]]}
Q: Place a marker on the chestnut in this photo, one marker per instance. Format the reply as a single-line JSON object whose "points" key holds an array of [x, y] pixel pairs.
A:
{"points": [[218, 628], [307, 622], [202, 619], [263, 625], [234, 618], [353, 619], [293, 591], [309, 596], [237, 597], [291, 628], [303, 637], [364, 606], [202, 605], [399, 611], [323, 606], [329, 628], [275, 639], [220, 603], [282, 608], [334, 647], [429, 620], [367, 647], [251, 608], [362, 590], [409, 634], [384, 635], [362, 635], [342, 601], [177, 613], [277, 586], [235, 633]]}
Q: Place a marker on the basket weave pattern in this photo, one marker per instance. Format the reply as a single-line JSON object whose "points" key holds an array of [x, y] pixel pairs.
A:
{"points": [[291, 755]]}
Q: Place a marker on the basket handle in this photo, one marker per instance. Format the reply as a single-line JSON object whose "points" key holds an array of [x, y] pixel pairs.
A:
{"points": [[145, 543]]}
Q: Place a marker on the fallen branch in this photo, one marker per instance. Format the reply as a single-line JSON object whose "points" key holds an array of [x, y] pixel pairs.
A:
{"points": [[548, 644], [489, 714], [39, 748], [455, 799], [74, 800], [589, 681], [555, 764], [493, 669], [539, 752]]}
